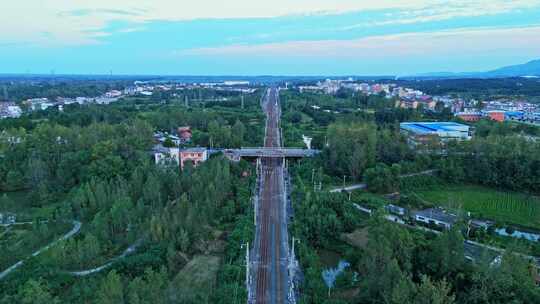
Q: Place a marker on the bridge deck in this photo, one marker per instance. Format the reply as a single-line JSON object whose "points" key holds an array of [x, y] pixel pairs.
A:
{"points": [[271, 152]]}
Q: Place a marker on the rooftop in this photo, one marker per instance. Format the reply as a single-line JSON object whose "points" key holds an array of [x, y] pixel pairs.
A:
{"points": [[433, 127], [198, 149], [438, 214]]}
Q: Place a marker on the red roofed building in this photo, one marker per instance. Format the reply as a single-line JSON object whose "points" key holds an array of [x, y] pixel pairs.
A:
{"points": [[496, 115], [185, 133], [469, 116], [194, 155]]}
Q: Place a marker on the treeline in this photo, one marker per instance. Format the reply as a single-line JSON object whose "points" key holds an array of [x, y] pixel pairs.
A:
{"points": [[52, 90], [478, 88], [219, 129], [355, 147], [52, 158], [509, 162]]}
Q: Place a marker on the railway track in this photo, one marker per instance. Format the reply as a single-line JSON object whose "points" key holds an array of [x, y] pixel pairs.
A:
{"points": [[271, 239]]}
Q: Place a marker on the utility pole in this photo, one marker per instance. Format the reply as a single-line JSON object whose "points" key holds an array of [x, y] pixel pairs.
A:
{"points": [[248, 283], [242, 100], [292, 272], [186, 101]]}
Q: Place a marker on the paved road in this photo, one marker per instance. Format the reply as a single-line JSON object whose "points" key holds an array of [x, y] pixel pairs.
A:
{"points": [[271, 239], [363, 186], [349, 188], [76, 227], [124, 254]]}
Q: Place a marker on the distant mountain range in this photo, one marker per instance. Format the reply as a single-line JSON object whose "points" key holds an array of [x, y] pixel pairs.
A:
{"points": [[529, 69]]}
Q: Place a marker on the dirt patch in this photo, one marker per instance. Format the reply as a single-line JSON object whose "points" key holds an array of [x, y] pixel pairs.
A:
{"points": [[193, 283], [357, 238]]}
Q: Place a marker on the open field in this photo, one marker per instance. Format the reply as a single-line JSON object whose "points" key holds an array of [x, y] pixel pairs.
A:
{"points": [[198, 274], [501, 206], [358, 238]]}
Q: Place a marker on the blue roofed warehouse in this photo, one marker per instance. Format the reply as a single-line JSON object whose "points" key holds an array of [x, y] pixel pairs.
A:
{"points": [[423, 133]]}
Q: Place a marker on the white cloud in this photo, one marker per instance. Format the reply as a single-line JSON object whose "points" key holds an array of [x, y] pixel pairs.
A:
{"points": [[454, 9], [445, 43], [58, 22]]}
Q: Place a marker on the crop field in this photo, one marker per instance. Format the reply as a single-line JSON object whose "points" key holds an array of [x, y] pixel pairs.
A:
{"points": [[501, 206]]}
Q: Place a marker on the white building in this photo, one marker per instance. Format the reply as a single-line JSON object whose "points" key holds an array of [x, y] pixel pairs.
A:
{"points": [[164, 155], [10, 110]]}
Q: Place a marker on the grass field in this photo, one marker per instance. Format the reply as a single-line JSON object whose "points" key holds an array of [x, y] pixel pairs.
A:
{"points": [[195, 281], [501, 206]]}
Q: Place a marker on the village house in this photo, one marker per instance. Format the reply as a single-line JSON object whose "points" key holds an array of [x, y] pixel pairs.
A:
{"points": [[436, 216], [163, 155], [194, 155], [469, 116], [7, 218], [185, 134]]}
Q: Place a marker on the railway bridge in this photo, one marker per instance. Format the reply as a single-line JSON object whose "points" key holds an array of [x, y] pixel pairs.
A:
{"points": [[269, 152]]}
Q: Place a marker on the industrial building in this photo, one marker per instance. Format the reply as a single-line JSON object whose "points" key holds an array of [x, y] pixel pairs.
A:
{"points": [[426, 133]]}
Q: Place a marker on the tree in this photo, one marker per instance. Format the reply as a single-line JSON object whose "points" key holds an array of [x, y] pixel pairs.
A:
{"points": [[169, 143], [511, 281], [447, 254], [434, 293], [383, 179], [5, 202], [89, 248], [351, 149], [36, 292], [37, 171], [111, 290], [14, 180], [386, 264], [148, 289], [238, 133]]}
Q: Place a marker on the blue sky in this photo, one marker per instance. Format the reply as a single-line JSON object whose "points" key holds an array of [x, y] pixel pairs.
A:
{"points": [[284, 37]]}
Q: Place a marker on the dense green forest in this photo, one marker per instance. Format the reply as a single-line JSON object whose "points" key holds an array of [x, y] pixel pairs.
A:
{"points": [[480, 88], [94, 164]]}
